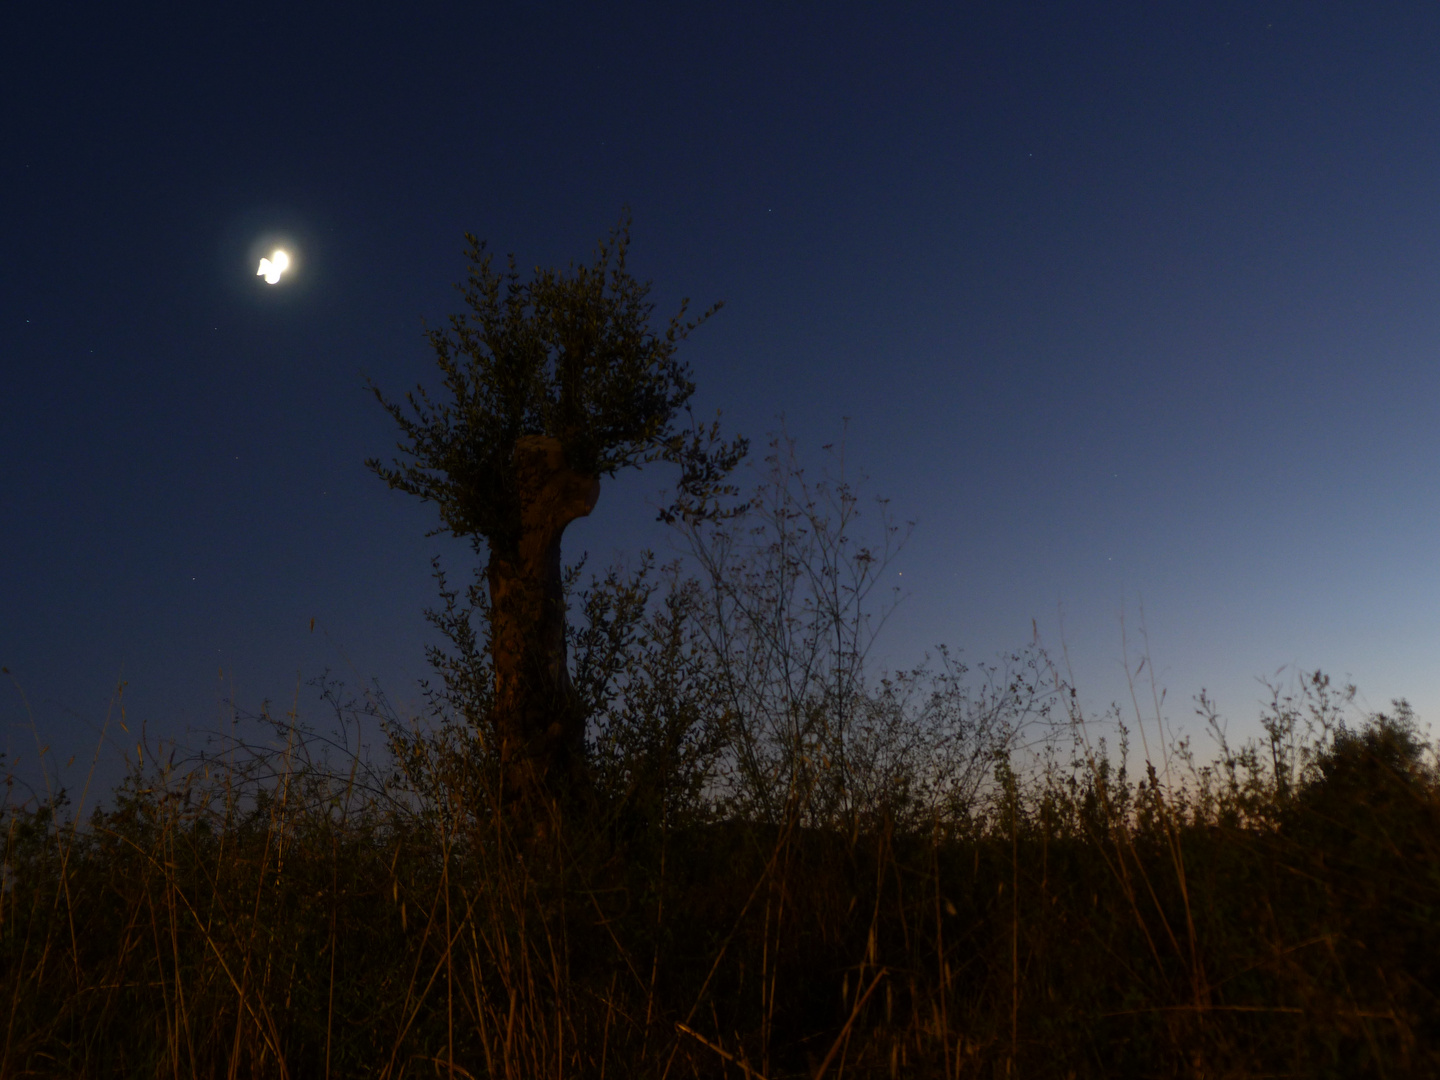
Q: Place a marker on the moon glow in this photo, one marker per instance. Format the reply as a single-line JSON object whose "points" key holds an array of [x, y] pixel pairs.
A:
{"points": [[273, 267]]}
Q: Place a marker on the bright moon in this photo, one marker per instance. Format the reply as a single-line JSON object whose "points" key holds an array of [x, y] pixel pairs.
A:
{"points": [[273, 267]]}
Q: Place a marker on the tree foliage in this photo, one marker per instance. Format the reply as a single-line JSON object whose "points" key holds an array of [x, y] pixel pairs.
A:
{"points": [[572, 356]]}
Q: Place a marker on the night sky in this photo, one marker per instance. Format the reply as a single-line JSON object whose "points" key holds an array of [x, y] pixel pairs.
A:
{"points": [[1128, 305]]}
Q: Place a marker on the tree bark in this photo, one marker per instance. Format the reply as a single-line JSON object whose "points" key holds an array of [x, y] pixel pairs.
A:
{"points": [[541, 728]]}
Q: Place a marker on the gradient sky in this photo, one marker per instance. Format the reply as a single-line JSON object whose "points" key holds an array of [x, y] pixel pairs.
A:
{"points": [[1127, 307]]}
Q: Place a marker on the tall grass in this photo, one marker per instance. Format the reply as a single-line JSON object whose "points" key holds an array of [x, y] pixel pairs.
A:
{"points": [[781, 868]]}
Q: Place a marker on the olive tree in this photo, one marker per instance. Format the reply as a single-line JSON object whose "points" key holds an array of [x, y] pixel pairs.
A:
{"points": [[550, 383]]}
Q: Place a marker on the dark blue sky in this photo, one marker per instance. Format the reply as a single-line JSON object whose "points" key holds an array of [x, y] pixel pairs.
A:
{"points": [[1132, 307]]}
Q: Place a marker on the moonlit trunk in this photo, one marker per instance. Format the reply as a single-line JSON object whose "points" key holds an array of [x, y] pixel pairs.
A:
{"points": [[541, 728]]}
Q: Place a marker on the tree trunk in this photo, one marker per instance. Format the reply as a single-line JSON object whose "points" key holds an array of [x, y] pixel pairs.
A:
{"points": [[541, 728]]}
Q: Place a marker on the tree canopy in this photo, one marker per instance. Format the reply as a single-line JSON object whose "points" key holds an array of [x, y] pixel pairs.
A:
{"points": [[572, 356]]}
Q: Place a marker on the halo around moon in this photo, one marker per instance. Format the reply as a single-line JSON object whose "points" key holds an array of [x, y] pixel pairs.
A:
{"points": [[261, 233]]}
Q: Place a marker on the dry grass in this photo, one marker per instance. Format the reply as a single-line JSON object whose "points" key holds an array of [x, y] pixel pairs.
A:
{"points": [[277, 918]]}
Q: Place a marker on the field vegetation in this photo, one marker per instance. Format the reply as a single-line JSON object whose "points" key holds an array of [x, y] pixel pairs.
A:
{"points": [[778, 863]]}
